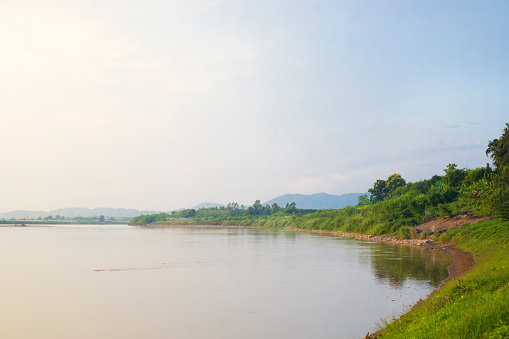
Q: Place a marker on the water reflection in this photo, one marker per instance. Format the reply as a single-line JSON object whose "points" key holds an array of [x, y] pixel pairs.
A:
{"points": [[396, 264]]}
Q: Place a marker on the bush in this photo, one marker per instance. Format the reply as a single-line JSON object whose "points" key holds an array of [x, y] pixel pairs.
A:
{"points": [[404, 232]]}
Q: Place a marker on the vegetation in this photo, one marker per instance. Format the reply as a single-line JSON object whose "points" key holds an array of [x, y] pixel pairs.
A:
{"points": [[394, 205], [148, 219], [233, 214]]}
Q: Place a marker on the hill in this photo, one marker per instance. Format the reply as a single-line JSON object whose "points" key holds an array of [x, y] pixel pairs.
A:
{"points": [[318, 201], [206, 205], [77, 211]]}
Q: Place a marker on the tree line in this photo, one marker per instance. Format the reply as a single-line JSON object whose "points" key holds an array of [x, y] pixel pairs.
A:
{"points": [[233, 211]]}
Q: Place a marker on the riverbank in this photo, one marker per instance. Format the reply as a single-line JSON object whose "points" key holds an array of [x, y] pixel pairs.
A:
{"points": [[472, 303]]}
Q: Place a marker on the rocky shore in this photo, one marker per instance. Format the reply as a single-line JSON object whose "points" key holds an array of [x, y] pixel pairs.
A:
{"points": [[376, 238]]}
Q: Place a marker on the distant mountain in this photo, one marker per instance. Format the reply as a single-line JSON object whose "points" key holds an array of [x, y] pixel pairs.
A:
{"points": [[22, 214], [206, 205], [317, 201], [77, 211]]}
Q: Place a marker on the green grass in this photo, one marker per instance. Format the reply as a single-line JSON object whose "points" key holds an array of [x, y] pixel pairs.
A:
{"points": [[474, 306]]}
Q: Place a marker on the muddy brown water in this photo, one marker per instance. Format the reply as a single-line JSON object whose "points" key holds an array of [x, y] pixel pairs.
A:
{"points": [[133, 282]]}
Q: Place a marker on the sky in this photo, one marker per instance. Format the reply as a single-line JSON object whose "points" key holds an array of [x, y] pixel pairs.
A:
{"points": [[165, 104]]}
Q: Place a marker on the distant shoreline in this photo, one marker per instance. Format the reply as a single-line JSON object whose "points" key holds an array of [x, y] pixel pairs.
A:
{"points": [[46, 224]]}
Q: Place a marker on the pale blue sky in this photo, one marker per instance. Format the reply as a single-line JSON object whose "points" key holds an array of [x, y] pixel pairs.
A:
{"points": [[165, 104]]}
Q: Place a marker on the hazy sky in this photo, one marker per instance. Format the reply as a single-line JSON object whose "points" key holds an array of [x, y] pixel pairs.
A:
{"points": [[165, 104]]}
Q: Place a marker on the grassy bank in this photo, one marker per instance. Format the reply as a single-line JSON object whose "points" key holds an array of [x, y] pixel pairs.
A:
{"points": [[474, 306]]}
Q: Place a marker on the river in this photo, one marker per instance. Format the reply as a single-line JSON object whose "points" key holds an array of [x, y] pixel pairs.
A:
{"points": [[118, 281]]}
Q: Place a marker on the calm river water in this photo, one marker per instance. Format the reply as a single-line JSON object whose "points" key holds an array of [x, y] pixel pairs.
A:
{"points": [[133, 282]]}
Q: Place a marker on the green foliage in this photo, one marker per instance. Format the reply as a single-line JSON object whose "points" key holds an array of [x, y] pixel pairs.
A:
{"points": [[498, 150], [394, 182], [454, 176], [363, 200], [404, 232], [148, 219], [256, 215], [481, 173], [378, 191], [383, 189], [423, 186], [441, 193]]}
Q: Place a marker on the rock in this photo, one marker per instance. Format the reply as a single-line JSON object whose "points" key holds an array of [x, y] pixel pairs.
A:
{"points": [[366, 336]]}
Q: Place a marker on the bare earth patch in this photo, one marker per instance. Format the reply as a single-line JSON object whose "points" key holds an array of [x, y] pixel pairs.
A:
{"points": [[440, 225]]}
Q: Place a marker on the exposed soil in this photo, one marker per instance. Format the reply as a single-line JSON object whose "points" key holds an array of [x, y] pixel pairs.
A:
{"points": [[434, 225]]}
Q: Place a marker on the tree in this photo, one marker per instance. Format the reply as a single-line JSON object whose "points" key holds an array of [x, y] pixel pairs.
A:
{"points": [[291, 208], [101, 218], [233, 208], [378, 191], [257, 207], [477, 174], [394, 181], [454, 176], [363, 200], [275, 208], [441, 193], [498, 150]]}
